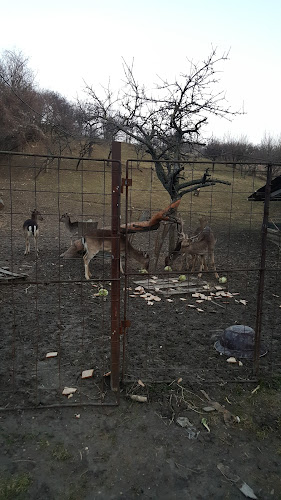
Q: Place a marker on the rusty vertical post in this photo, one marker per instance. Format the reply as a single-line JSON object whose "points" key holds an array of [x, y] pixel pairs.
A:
{"points": [[262, 270], [124, 330], [115, 265]]}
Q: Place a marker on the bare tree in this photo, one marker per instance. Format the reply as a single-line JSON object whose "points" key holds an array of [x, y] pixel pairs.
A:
{"points": [[19, 101], [166, 120]]}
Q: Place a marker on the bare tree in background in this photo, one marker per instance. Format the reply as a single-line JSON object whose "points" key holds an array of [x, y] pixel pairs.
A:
{"points": [[18, 103], [167, 120]]}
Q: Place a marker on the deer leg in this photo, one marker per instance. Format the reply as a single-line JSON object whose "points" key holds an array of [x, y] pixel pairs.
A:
{"points": [[27, 244], [36, 241], [212, 261], [202, 265], [194, 259], [121, 267], [87, 260]]}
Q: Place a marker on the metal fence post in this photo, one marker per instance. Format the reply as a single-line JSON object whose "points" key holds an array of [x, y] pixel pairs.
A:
{"points": [[115, 265], [262, 271]]}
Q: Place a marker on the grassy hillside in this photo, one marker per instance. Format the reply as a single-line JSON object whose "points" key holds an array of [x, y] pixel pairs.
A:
{"points": [[86, 191]]}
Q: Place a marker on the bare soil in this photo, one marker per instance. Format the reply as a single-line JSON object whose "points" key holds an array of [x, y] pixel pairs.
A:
{"points": [[53, 447], [136, 449]]}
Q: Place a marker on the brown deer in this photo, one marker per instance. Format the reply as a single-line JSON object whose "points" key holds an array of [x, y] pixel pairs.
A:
{"points": [[202, 246], [85, 227], [30, 227], [199, 245], [101, 241], [71, 226]]}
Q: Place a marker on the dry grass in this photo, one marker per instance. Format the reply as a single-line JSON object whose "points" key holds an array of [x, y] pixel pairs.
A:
{"points": [[86, 191]]}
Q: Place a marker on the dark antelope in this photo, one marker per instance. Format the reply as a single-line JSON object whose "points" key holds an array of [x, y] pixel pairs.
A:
{"points": [[30, 227]]}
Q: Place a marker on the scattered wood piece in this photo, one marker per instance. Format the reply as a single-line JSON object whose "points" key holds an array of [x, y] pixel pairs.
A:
{"points": [[6, 275], [244, 302], [155, 298], [241, 485], [51, 354], [140, 399], [87, 373], [231, 360], [256, 389], [140, 382], [69, 390], [209, 408], [228, 417]]}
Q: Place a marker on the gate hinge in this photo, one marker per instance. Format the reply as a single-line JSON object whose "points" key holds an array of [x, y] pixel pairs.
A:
{"points": [[125, 182], [124, 325]]}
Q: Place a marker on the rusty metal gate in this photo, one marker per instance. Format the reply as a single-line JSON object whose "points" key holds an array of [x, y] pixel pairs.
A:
{"points": [[59, 332], [171, 327]]}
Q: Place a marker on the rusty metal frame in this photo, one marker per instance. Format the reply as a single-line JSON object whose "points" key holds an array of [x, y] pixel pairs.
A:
{"points": [[115, 266]]}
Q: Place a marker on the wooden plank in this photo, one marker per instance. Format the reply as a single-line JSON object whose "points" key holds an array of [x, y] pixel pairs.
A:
{"points": [[6, 275], [275, 236], [169, 287], [168, 282]]}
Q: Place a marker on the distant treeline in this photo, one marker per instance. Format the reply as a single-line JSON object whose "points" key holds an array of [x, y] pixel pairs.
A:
{"points": [[29, 115]]}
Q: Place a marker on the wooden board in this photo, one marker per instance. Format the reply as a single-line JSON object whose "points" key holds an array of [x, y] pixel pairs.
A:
{"points": [[167, 287], [274, 235], [8, 275]]}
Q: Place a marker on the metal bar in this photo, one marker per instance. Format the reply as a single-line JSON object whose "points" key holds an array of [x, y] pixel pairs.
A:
{"points": [[127, 184], [262, 271], [16, 282], [115, 265]]}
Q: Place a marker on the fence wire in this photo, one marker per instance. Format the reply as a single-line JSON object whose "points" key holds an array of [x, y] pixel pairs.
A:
{"points": [[174, 337], [54, 324]]}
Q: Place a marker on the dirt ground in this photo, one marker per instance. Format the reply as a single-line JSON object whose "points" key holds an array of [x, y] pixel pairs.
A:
{"points": [[135, 450], [75, 449]]}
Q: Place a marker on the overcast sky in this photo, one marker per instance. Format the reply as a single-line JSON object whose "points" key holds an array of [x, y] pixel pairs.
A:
{"points": [[71, 42]]}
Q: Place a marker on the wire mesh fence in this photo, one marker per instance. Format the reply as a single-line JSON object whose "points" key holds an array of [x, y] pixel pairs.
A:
{"points": [[174, 337], [56, 325]]}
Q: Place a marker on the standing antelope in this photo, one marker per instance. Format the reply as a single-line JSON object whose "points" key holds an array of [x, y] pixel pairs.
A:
{"points": [[101, 241], [71, 226], [30, 226]]}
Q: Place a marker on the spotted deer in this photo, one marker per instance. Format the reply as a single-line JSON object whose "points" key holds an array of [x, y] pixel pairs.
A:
{"points": [[199, 246], [101, 240]]}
